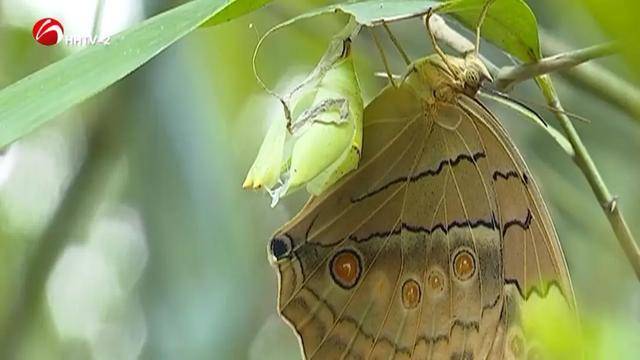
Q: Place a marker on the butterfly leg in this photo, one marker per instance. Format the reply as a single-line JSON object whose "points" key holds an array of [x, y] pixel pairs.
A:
{"points": [[385, 62], [434, 42], [396, 43], [483, 15]]}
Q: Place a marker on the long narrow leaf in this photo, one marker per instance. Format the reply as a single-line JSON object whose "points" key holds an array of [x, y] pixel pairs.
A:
{"points": [[39, 97]]}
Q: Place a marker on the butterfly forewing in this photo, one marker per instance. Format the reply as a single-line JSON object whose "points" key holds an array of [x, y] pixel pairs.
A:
{"points": [[425, 251]]}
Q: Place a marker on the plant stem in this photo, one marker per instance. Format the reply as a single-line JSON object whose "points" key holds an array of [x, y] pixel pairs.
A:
{"points": [[588, 167], [598, 80], [510, 75]]}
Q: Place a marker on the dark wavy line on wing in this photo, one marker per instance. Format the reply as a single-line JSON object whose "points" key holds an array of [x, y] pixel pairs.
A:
{"points": [[509, 174], [541, 290], [426, 173], [491, 305], [517, 222], [489, 224], [359, 329], [306, 234], [464, 325]]}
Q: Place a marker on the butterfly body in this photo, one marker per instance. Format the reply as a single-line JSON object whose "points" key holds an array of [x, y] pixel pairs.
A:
{"points": [[429, 248]]}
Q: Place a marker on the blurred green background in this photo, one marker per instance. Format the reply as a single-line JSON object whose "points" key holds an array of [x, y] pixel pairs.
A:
{"points": [[129, 207]]}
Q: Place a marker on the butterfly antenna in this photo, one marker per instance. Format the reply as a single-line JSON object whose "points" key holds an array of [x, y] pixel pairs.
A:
{"points": [[396, 43], [507, 98], [483, 15], [385, 62]]}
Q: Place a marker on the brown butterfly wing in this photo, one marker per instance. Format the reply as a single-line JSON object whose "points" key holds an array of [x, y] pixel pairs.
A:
{"points": [[408, 256], [532, 255]]}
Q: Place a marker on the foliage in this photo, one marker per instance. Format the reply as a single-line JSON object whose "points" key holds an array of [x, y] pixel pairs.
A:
{"points": [[32, 101], [510, 24], [37, 98]]}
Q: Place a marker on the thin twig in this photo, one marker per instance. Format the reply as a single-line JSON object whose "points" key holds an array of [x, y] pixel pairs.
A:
{"points": [[510, 75], [588, 167], [597, 80], [582, 157]]}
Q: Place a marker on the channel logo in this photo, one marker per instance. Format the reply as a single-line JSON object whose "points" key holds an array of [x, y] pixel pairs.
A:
{"points": [[48, 31]]}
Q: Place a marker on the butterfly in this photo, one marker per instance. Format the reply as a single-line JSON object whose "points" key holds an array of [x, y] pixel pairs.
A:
{"points": [[429, 249]]}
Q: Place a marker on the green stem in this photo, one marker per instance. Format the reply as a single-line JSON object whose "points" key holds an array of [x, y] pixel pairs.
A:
{"points": [[598, 80], [590, 171], [510, 75]]}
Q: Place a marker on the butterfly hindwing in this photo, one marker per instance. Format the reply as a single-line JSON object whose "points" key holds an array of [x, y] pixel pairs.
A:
{"points": [[533, 258]]}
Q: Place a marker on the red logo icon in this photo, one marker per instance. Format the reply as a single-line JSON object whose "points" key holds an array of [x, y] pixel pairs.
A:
{"points": [[48, 31]]}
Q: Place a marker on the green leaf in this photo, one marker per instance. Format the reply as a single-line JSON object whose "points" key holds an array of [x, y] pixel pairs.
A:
{"points": [[510, 24], [371, 12], [39, 97], [374, 12]]}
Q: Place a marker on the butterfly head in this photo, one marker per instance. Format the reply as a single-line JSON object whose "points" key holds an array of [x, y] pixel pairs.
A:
{"points": [[463, 74], [473, 74]]}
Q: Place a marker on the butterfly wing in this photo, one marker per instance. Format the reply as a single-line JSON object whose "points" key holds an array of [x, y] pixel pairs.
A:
{"points": [[410, 255], [533, 258]]}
